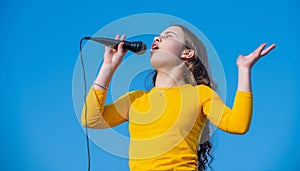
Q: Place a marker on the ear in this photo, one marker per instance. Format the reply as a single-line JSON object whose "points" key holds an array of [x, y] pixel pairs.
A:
{"points": [[187, 54]]}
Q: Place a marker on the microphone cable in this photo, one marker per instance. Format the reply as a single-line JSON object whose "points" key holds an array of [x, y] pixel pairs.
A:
{"points": [[137, 47], [85, 107]]}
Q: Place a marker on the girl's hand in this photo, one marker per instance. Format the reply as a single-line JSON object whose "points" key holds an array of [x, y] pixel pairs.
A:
{"points": [[248, 61], [113, 57]]}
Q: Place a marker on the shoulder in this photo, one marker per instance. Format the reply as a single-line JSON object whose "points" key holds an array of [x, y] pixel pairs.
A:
{"points": [[206, 93], [204, 89]]}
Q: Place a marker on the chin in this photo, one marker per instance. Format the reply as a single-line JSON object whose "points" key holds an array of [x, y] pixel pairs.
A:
{"points": [[155, 61], [161, 60]]}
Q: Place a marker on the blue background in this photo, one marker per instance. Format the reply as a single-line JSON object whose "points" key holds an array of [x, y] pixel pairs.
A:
{"points": [[40, 45]]}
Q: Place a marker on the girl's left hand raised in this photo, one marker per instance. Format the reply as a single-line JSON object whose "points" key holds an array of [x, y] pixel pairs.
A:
{"points": [[248, 61]]}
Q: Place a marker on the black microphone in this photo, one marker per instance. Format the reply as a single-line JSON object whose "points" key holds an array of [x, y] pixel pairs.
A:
{"points": [[137, 47]]}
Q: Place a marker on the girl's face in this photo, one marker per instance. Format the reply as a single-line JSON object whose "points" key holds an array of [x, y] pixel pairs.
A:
{"points": [[167, 48]]}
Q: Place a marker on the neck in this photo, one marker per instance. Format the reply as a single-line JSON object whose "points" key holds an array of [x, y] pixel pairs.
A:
{"points": [[171, 78]]}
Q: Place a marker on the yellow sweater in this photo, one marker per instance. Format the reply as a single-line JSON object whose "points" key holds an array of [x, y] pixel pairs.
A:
{"points": [[165, 124]]}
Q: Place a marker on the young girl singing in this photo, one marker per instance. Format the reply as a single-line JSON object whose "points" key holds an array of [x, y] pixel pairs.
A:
{"points": [[167, 123]]}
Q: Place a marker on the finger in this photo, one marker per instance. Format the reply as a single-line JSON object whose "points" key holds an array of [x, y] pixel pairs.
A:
{"points": [[114, 49], [120, 47], [266, 51], [259, 49], [117, 37], [121, 50], [107, 48], [123, 37]]}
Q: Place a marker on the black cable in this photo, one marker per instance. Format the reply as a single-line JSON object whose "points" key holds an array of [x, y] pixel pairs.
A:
{"points": [[85, 107]]}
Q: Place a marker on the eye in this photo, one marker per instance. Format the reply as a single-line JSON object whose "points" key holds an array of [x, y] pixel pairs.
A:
{"points": [[167, 36]]}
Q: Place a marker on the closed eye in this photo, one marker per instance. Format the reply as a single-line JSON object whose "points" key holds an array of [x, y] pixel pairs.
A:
{"points": [[169, 36]]}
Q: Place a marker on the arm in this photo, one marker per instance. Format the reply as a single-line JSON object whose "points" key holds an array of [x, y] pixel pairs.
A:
{"points": [[94, 114], [101, 116], [112, 59], [236, 120], [245, 64]]}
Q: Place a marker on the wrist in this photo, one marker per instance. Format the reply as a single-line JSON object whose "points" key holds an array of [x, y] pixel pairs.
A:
{"points": [[107, 67], [244, 79], [104, 76], [244, 69], [97, 86]]}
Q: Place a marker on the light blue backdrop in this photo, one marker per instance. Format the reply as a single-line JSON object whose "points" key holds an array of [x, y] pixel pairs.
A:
{"points": [[40, 46]]}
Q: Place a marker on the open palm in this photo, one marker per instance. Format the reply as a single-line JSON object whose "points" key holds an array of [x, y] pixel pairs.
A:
{"points": [[249, 60]]}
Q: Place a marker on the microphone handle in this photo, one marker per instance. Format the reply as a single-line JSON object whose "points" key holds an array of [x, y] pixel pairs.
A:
{"points": [[105, 41], [137, 47], [108, 42]]}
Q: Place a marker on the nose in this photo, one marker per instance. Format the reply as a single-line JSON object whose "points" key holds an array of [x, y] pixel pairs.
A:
{"points": [[157, 39]]}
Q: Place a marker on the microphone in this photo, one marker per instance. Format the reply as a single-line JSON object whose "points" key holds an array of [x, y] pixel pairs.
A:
{"points": [[137, 47]]}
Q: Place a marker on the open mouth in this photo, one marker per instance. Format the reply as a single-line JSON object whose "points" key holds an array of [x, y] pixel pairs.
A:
{"points": [[154, 47]]}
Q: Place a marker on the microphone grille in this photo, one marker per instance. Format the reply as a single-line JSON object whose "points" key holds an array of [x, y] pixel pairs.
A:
{"points": [[138, 47]]}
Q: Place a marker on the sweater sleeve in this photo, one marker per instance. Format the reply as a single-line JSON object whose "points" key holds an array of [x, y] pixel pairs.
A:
{"points": [[236, 120], [95, 114]]}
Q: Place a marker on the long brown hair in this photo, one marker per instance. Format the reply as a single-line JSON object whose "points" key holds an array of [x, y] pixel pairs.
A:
{"points": [[199, 66]]}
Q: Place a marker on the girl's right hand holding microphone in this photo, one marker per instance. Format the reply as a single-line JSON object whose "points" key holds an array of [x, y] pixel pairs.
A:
{"points": [[113, 56], [112, 59]]}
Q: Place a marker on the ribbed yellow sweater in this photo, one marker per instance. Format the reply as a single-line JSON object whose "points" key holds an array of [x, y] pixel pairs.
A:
{"points": [[165, 124]]}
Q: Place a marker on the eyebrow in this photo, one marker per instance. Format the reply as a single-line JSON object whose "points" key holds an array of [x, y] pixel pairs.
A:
{"points": [[167, 32]]}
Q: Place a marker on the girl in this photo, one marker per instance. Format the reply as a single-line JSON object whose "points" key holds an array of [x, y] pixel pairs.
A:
{"points": [[166, 123]]}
